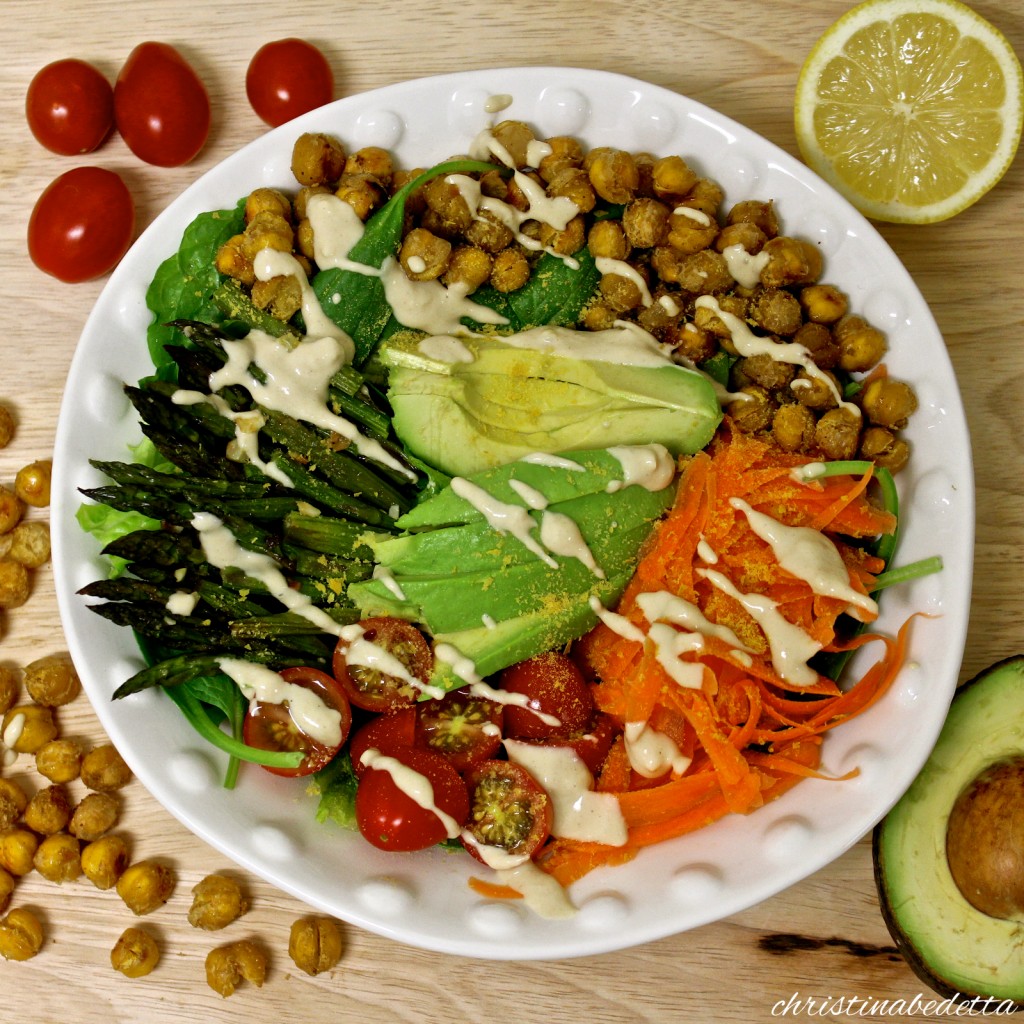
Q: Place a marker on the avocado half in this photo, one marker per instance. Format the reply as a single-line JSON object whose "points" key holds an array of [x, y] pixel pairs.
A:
{"points": [[956, 949]]}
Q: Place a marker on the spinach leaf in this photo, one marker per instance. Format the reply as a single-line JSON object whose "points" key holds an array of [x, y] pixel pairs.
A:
{"points": [[185, 282], [336, 786], [356, 301], [556, 293]]}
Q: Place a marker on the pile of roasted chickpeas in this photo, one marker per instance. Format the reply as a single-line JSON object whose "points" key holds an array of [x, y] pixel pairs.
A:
{"points": [[669, 225], [62, 837]]}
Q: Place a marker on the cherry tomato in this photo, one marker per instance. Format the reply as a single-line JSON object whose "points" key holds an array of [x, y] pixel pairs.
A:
{"points": [[553, 686], [387, 733], [463, 728], [271, 727], [508, 810], [287, 78], [70, 107], [161, 106], [358, 664], [81, 225], [391, 819]]}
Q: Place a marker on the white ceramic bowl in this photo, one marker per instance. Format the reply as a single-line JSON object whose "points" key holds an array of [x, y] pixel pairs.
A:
{"points": [[267, 824]]}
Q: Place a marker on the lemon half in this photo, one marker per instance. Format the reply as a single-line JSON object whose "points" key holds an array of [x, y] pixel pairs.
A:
{"points": [[910, 108]]}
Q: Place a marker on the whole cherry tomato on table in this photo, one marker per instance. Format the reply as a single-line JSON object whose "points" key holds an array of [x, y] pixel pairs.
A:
{"points": [[81, 225], [69, 107], [161, 106], [287, 78]]}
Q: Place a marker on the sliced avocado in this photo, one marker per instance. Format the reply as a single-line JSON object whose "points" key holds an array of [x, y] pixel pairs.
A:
{"points": [[958, 950], [506, 401]]}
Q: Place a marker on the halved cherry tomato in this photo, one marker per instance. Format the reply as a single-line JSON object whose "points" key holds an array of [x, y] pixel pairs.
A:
{"points": [[81, 225], [70, 107], [464, 728], [361, 665], [387, 733], [161, 106], [287, 78], [554, 688], [391, 819], [271, 727], [508, 810]]}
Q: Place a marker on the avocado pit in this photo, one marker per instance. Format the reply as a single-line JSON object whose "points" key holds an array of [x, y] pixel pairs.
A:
{"points": [[985, 840]]}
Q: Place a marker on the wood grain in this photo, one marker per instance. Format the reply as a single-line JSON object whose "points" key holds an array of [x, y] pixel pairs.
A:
{"points": [[824, 938]]}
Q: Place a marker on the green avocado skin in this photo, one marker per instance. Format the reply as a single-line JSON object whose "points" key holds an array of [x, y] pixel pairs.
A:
{"points": [[957, 950], [505, 402], [489, 596]]}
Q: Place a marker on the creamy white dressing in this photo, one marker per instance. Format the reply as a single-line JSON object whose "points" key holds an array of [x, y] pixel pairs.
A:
{"points": [[364, 653], [223, 551], [497, 103], [706, 552], [462, 667], [670, 305], [625, 344], [669, 646], [496, 857], [579, 812], [652, 753], [617, 623], [413, 784], [664, 606], [382, 573], [309, 713], [536, 151], [697, 216], [445, 349], [15, 727], [608, 265], [531, 496], [811, 557], [791, 648], [552, 461], [749, 344], [650, 466], [808, 473], [479, 688], [541, 892], [182, 602], [744, 267], [561, 535]]}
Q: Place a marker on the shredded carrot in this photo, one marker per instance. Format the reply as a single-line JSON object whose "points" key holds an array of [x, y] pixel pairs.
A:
{"points": [[493, 891], [751, 734]]}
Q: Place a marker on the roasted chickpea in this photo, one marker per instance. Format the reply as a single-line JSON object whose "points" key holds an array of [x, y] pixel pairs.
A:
{"points": [[216, 901], [317, 159], [776, 311], [94, 816], [17, 848], [372, 161], [690, 230], [645, 222], [52, 680], [59, 858], [613, 173], [445, 199], [103, 769], [515, 137], [423, 255], [695, 343], [135, 953], [59, 760], [234, 261], [573, 183], [619, 292], [607, 240], [884, 448], [792, 261], [823, 303], [32, 483], [564, 241], [837, 434], [672, 178], [762, 370], [861, 346], [6, 889], [362, 192], [818, 340], [888, 402], [30, 544], [227, 966], [813, 391], [511, 270], [280, 296], [15, 584], [746, 235], [564, 151], [314, 944], [12, 508], [488, 234], [48, 811], [21, 935], [145, 886], [469, 268], [10, 686], [599, 316], [104, 861], [300, 204], [754, 211], [704, 273], [6, 426], [706, 196], [27, 727], [754, 411], [13, 801], [264, 200], [267, 231]]}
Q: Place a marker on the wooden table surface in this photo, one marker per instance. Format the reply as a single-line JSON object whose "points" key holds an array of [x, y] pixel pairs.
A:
{"points": [[824, 938]]}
